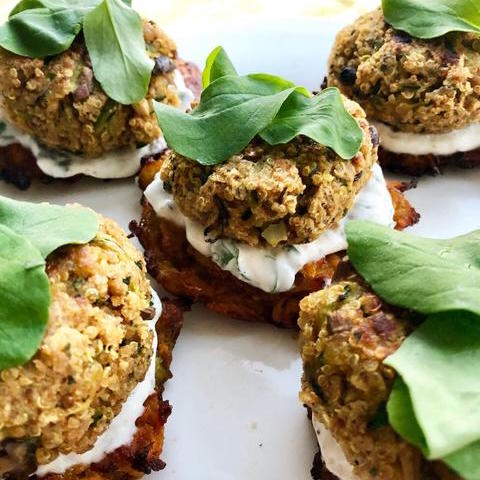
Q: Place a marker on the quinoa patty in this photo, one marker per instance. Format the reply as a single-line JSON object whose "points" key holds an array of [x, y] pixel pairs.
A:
{"points": [[413, 85], [346, 333], [59, 101], [287, 194], [184, 272], [18, 165], [97, 348]]}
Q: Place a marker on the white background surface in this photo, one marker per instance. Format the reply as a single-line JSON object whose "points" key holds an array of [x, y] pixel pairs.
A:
{"points": [[236, 414]]}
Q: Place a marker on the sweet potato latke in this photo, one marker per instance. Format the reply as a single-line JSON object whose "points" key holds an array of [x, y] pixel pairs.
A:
{"points": [[346, 333], [184, 272]]}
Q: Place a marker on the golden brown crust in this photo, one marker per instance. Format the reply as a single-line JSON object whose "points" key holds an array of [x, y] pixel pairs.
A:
{"points": [[142, 456], [184, 272], [420, 86], [418, 165], [346, 333]]}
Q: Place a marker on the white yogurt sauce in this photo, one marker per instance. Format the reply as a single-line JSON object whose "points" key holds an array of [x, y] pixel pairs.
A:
{"points": [[122, 429], [122, 163], [274, 269], [460, 140], [332, 454]]}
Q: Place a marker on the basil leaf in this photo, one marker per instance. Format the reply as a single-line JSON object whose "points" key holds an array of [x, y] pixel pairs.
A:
{"points": [[428, 19], [24, 299], [322, 118], [232, 111], [114, 38], [40, 32], [442, 357], [218, 65], [49, 227], [424, 275]]}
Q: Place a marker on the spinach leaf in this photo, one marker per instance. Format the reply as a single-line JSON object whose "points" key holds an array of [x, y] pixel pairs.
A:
{"points": [[322, 118], [114, 38], [24, 299], [432, 18], [434, 404], [218, 65], [233, 110], [48, 227], [424, 275], [40, 32], [231, 113]]}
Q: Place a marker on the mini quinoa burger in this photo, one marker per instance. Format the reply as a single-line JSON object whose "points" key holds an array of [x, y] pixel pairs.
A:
{"points": [[390, 354], [414, 67], [246, 212], [85, 348], [76, 94]]}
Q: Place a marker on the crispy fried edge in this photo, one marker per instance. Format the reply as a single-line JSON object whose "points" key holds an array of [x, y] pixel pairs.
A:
{"points": [[142, 456], [184, 272]]}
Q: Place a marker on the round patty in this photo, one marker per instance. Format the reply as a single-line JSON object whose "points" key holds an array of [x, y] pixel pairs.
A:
{"points": [[287, 194], [346, 333], [59, 101], [97, 348], [419, 86]]}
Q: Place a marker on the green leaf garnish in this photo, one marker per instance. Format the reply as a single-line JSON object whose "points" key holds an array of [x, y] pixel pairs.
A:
{"points": [[49, 227], [428, 19], [424, 275], [235, 109], [24, 299], [29, 233], [114, 38], [218, 65], [320, 118], [113, 35], [434, 404], [232, 111], [40, 32]]}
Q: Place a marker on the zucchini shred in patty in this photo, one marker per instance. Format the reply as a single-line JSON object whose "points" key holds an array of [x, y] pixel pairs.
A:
{"points": [[97, 349]]}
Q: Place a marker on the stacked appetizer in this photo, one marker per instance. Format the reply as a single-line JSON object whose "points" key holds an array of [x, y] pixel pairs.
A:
{"points": [[246, 213], [391, 354], [83, 353], [77, 82], [414, 66]]}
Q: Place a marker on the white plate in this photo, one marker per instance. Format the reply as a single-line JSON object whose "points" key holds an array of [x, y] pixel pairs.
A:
{"points": [[236, 415]]}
